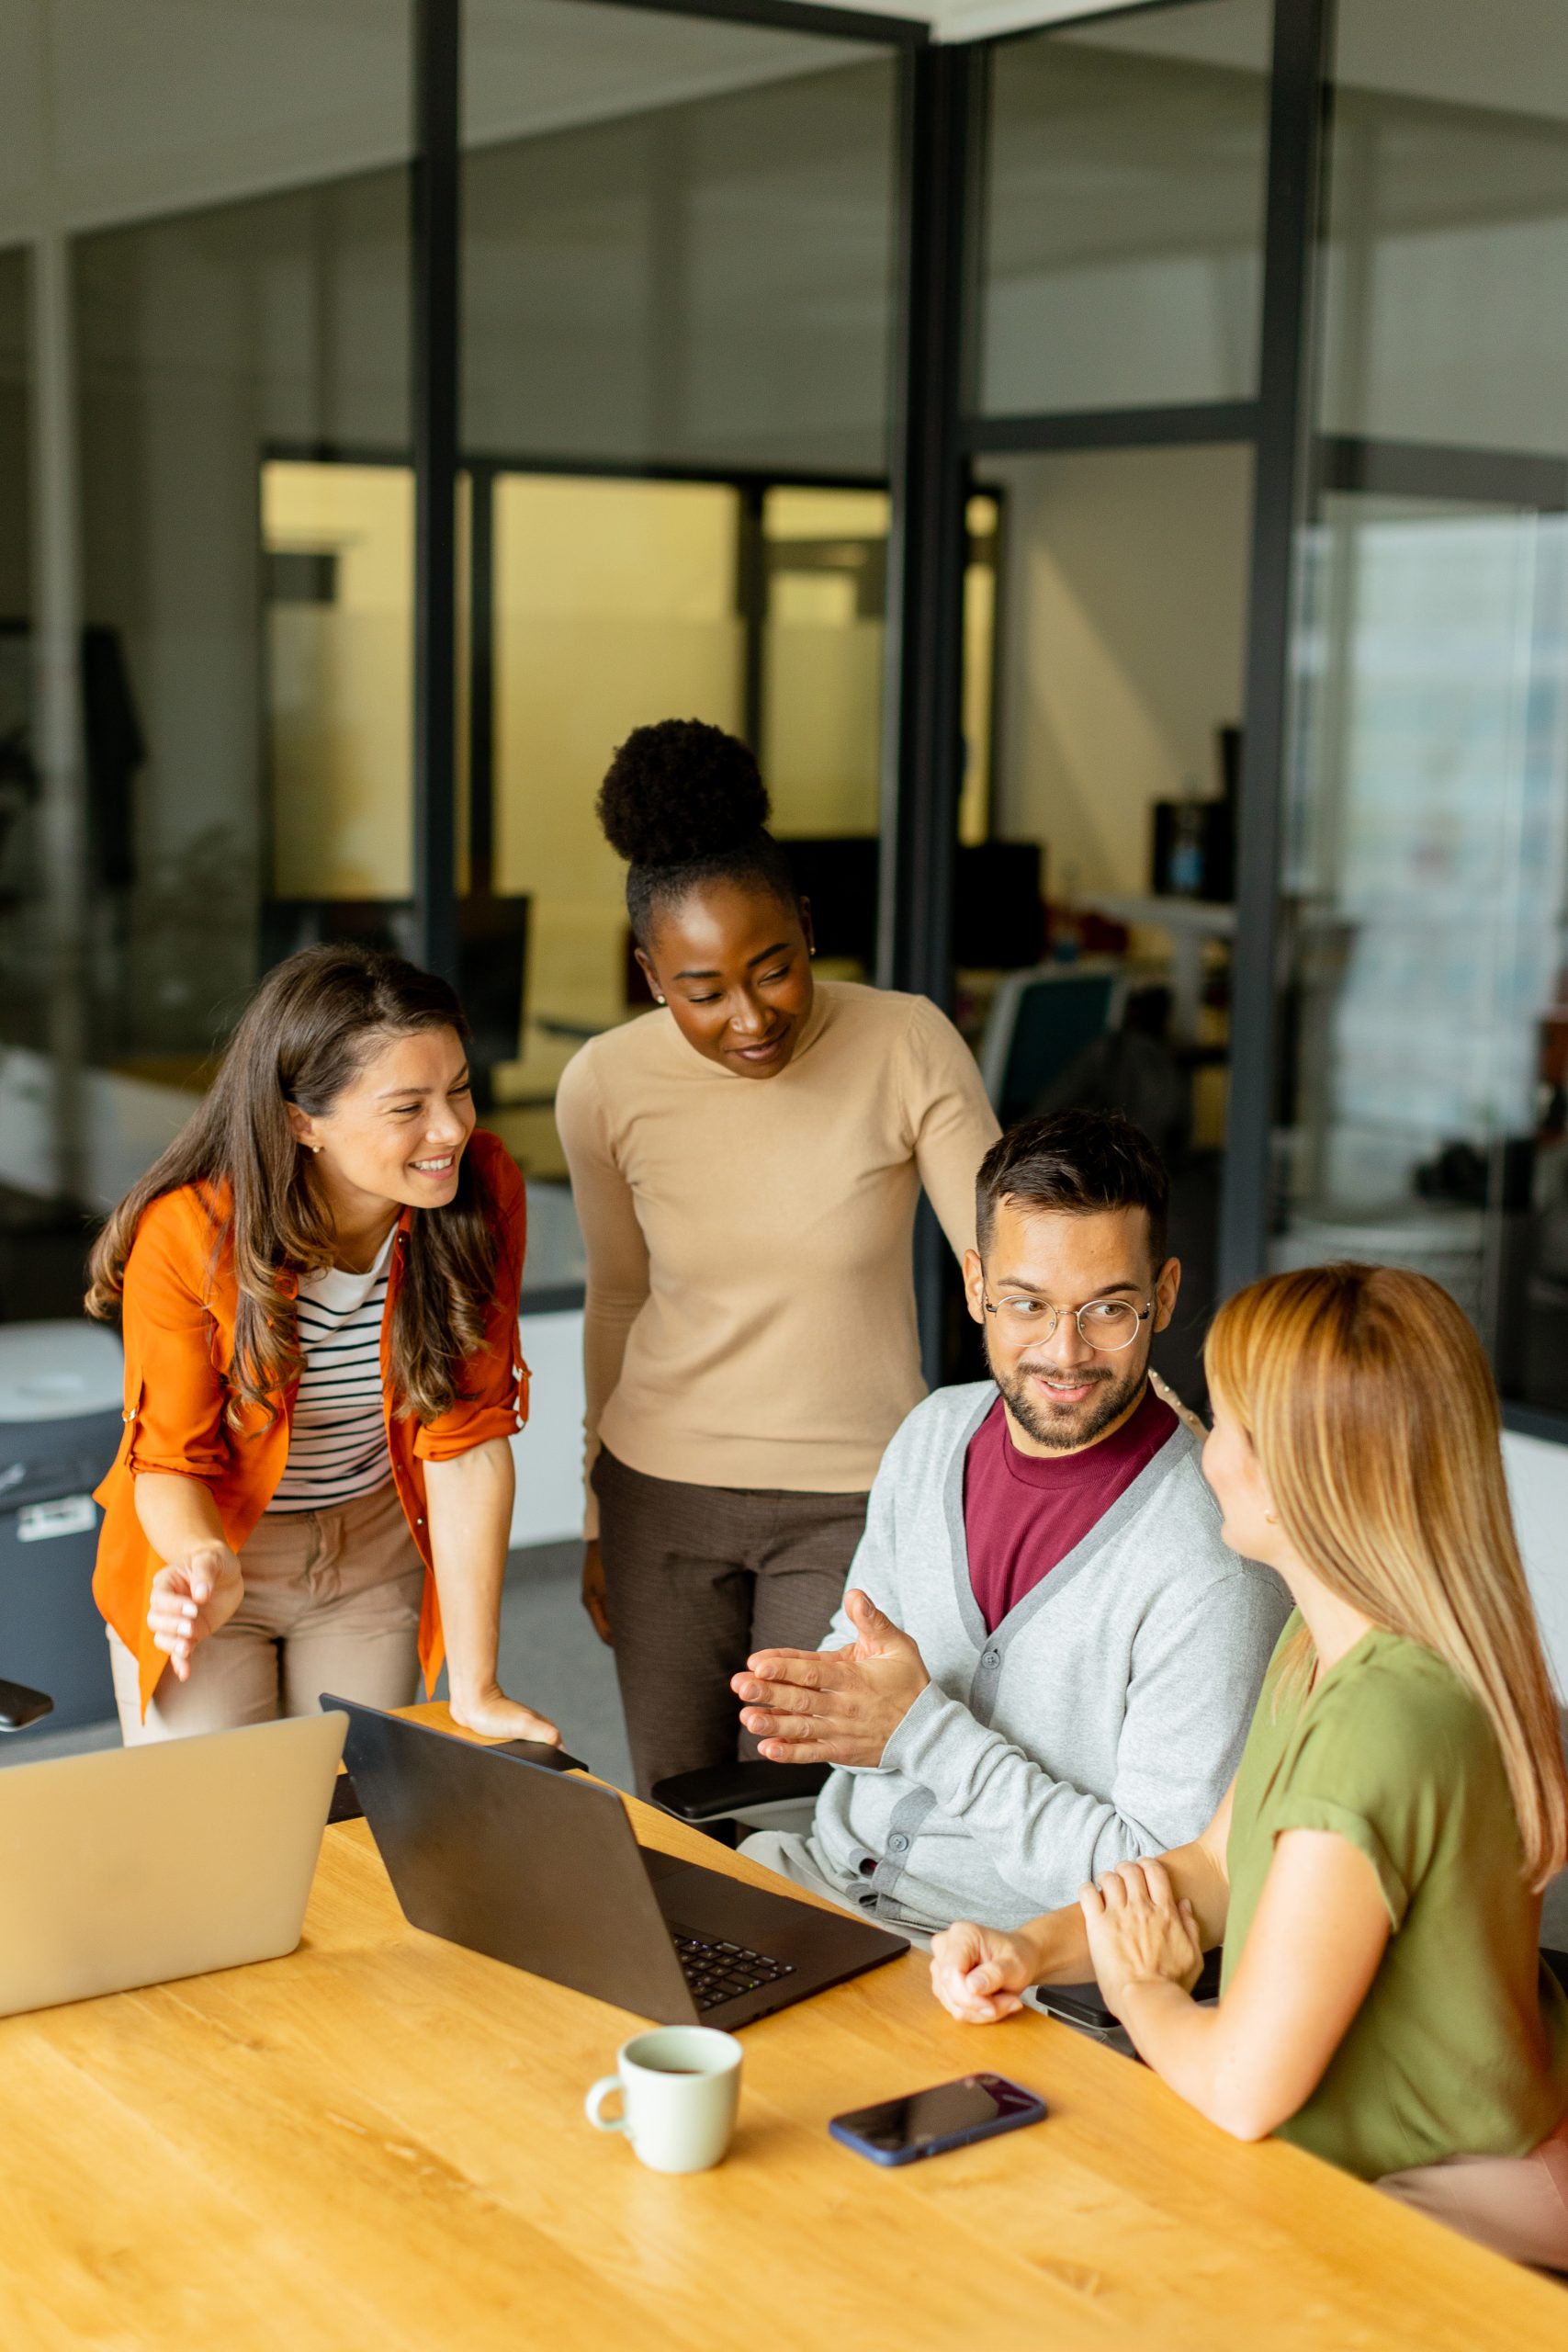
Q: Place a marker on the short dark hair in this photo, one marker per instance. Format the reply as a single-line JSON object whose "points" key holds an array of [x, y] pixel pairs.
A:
{"points": [[1076, 1161], [683, 803]]}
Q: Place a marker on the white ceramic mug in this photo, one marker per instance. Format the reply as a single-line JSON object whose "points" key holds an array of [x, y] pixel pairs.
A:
{"points": [[679, 2088]]}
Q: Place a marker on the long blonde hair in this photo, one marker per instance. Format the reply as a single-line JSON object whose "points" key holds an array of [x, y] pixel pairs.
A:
{"points": [[1371, 1408]]}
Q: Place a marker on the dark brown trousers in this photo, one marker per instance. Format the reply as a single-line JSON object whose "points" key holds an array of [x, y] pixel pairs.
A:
{"points": [[696, 1578]]}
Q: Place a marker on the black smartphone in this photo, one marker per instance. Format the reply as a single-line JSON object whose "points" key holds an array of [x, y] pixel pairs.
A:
{"points": [[927, 2123], [19, 1706], [1084, 2004], [539, 1751]]}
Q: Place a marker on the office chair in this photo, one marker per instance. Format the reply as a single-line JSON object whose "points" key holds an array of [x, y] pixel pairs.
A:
{"points": [[742, 1796], [1040, 1022], [998, 893], [999, 906], [838, 873]]}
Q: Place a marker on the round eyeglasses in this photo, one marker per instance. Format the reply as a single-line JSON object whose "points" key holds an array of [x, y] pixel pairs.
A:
{"points": [[1105, 1323]]}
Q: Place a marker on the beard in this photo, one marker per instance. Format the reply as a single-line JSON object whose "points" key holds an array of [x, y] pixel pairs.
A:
{"points": [[1064, 1429]]}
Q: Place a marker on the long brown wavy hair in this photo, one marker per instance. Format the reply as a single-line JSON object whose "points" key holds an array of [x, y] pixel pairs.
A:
{"points": [[305, 1035], [1371, 1405]]}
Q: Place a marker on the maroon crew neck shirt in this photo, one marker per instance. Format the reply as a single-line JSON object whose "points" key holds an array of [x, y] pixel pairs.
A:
{"points": [[1024, 1512]]}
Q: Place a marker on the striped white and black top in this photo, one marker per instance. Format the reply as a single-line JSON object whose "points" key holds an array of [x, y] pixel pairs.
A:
{"points": [[337, 1447]]}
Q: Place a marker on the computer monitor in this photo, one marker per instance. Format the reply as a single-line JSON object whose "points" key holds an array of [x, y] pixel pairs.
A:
{"points": [[840, 873], [999, 906]]}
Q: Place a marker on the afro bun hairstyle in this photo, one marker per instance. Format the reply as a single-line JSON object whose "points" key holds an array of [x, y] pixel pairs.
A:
{"points": [[684, 805], [680, 793]]}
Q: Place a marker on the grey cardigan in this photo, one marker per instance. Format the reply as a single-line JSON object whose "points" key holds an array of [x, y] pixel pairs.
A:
{"points": [[1102, 1719]]}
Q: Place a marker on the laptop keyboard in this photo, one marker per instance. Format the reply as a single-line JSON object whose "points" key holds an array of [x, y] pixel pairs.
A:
{"points": [[722, 1972]]}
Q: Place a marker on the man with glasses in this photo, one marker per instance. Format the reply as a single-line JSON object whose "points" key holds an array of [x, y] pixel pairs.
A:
{"points": [[1046, 1660]]}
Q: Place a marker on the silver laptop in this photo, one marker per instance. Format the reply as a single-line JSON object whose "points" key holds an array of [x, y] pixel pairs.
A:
{"points": [[139, 1864]]}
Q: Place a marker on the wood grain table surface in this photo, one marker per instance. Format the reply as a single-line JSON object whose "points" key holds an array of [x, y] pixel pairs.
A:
{"points": [[379, 2141]]}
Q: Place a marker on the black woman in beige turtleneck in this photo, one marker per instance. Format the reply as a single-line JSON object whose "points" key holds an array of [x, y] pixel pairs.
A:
{"points": [[746, 1160]]}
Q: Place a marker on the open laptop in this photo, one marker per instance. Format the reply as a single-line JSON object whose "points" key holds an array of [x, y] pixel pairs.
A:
{"points": [[535, 1867], [138, 1864]]}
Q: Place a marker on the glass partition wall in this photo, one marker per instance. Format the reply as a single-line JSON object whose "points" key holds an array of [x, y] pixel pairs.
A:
{"points": [[676, 258], [38, 1241], [1112, 508], [211, 211], [1210, 646], [1421, 1116]]}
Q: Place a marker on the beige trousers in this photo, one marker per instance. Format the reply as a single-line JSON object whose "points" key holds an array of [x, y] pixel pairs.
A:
{"points": [[332, 1602], [1516, 2205]]}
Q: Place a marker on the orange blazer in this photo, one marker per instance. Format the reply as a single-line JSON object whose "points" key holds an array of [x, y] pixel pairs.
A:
{"points": [[179, 1323]]}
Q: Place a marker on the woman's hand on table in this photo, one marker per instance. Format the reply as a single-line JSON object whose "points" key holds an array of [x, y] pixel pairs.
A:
{"points": [[595, 1598], [192, 1597], [1139, 1933], [977, 1973], [494, 1716]]}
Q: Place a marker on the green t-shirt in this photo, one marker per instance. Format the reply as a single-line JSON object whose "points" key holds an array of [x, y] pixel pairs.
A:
{"points": [[1461, 2047]]}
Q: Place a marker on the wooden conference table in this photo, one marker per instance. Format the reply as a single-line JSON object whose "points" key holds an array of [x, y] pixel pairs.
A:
{"points": [[379, 2141]]}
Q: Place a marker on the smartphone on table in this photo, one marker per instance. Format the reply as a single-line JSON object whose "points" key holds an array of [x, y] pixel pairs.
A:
{"points": [[929, 2122], [1083, 2006]]}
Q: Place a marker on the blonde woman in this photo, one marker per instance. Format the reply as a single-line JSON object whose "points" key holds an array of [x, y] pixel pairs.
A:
{"points": [[1375, 1870]]}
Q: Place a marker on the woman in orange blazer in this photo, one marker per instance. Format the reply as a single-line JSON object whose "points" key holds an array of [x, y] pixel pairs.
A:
{"points": [[317, 1283]]}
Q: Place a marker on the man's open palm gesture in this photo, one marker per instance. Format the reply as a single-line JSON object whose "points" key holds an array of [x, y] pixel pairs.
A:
{"points": [[833, 1706]]}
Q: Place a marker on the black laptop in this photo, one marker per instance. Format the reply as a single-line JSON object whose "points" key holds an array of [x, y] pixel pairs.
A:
{"points": [[522, 1861]]}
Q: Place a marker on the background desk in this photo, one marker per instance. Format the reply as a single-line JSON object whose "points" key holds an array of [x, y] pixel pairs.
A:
{"points": [[1187, 924], [379, 2141]]}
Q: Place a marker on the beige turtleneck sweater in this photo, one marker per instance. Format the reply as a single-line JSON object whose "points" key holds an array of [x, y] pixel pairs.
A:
{"points": [[751, 1312]]}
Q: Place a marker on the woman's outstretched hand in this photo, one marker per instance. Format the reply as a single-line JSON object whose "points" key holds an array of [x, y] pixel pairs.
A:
{"points": [[1138, 1932], [977, 1973], [190, 1599], [495, 1716]]}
